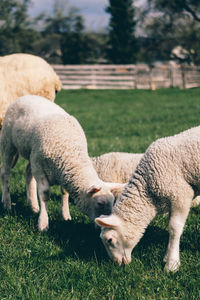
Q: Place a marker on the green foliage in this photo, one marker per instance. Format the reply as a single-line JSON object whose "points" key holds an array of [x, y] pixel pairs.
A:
{"points": [[15, 32], [62, 37], [174, 23], [69, 261], [73, 44], [122, 42], [191, 7]]}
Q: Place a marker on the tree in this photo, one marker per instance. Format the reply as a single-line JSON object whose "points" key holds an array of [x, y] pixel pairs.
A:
{"points": [[122, 46], [181, 7], [55, 26], [66, 26], [15, 32], [158, 42], [73, 44], [174, 25]]}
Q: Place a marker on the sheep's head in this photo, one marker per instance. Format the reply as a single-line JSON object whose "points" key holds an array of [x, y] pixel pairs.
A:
{"points": [[102, 198], [117, 246]]}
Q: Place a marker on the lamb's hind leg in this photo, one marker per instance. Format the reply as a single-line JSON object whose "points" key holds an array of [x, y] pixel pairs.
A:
{"points": [[44, 195], [177, 221], [8, 162], [65, 205], [31, 188]]}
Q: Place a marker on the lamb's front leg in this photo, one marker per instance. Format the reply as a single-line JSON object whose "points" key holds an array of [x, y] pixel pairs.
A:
{"points": [[44, 195], [9, 160], [31, 188], [196, 201], [65, 205], [5, 179], [176, 225]]}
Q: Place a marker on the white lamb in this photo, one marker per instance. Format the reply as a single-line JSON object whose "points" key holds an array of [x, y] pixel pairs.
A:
{"points": [[55, 145], [22, 74], [166, 180]]}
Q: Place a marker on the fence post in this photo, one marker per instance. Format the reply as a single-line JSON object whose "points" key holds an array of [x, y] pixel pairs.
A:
{"points": [[151, 84], [171, 76], [183, 76], [135, 77]]}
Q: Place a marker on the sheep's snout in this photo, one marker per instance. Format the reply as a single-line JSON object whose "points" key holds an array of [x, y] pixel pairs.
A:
{"points": [[126, 260], [101, 203], [118, 260], [104, 206], [123, 259]]}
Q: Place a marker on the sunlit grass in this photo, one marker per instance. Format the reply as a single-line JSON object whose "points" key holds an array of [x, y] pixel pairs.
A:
{"points": [[69, 261]]}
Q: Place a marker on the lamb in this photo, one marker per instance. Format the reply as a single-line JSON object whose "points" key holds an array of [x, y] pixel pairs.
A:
{"points": [[22, 74], [55, 145], [166, 180], [110, 167]]}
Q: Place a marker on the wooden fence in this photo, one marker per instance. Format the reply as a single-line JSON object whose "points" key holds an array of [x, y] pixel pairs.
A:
{"points": [[127, 76]]}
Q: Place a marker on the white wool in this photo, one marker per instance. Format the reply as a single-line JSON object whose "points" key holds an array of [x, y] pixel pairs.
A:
{"points": [[22, 74], [116, 166], [55, 145], [167, 179]]}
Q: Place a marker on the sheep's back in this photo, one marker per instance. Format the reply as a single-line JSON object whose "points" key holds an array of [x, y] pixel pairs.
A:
{"points": [[22, 74], [170, 163], [116, 166]]}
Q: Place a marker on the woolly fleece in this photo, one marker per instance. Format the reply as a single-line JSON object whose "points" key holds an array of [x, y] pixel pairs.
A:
{"points": [[167, 179], [56, 146], [22, 74]]}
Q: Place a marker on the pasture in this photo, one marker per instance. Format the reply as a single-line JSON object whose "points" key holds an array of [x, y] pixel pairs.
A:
{"points": [[69, 260]]}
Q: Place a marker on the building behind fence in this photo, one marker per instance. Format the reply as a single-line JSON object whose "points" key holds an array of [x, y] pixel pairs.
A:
{"points": [[127, 76]]}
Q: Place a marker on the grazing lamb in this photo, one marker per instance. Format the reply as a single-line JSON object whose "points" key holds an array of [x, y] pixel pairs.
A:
{"points": [[55, 145], [110, 167], [22, 74], [166, 180]]}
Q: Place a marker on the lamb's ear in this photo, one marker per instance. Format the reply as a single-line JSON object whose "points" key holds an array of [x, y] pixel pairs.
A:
{"points": [[116, 188], [93, 189], [111, 221]]}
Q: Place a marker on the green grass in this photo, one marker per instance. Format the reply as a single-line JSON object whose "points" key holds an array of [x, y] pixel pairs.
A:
{"points": [[69, 261]]}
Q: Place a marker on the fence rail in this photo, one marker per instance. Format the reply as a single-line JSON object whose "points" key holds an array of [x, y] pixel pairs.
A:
{"points": [[127, 76]]}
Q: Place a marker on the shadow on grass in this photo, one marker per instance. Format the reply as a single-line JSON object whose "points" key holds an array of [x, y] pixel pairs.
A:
{"points": [[76, 238], [79, 239]]}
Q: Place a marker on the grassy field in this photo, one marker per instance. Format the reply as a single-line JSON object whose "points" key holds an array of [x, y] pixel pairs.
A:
{"points": [[69, 261]]}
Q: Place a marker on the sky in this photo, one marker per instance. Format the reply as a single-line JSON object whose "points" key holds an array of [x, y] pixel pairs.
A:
{"points": [[93, 11]]}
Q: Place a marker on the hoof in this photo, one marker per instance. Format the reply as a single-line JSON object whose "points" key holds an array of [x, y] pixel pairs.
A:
{"points": [[172, 266], [43, 227], [35, 209], [67, 218]]}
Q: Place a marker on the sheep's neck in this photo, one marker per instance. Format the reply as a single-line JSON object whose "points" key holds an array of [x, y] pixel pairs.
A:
{"points": [[77, 180], [136, 210]]}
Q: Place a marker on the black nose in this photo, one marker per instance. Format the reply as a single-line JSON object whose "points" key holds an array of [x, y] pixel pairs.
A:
{"points": [[101, 203]]}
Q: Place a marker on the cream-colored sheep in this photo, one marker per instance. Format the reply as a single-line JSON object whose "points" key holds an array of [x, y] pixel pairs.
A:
{"points": [[167, 179], [55, 145], [22, 74]]}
